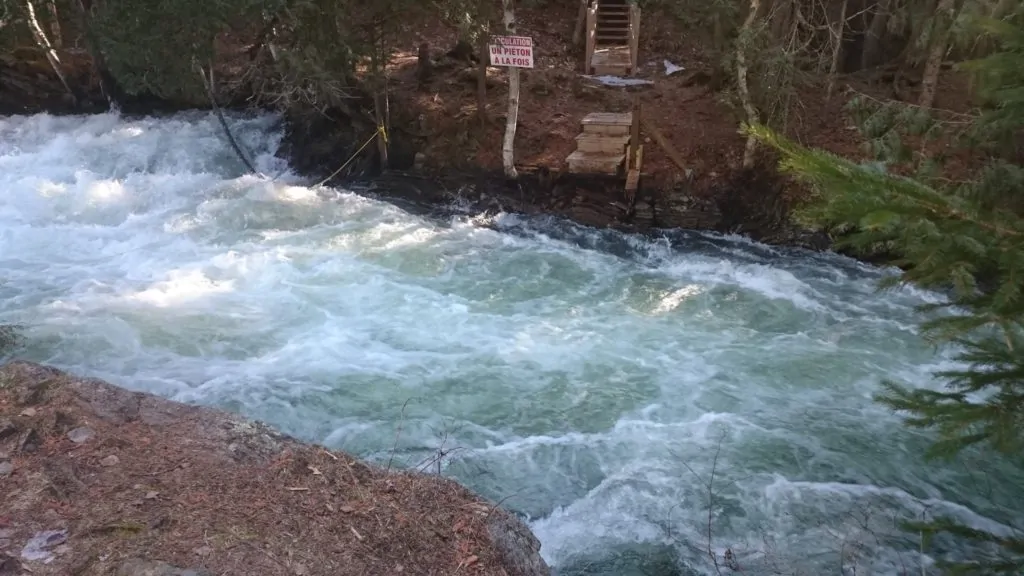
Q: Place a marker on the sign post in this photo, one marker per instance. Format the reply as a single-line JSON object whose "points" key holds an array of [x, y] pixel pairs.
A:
{"points": [[513, 52]]}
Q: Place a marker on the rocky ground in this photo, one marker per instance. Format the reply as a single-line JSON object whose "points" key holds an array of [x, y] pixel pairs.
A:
{"points": [[98, 480]]}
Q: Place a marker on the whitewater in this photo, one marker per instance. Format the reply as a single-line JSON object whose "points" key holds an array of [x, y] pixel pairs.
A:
{"points": [[595, 382]]}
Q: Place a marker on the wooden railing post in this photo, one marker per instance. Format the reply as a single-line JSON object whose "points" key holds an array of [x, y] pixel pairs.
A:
{"points": [[591, 36], [634, 134], [634, 37]]}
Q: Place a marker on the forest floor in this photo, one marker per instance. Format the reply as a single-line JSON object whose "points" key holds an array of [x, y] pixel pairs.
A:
{"points": [[700, 121], [99, 480], [693, 109]]}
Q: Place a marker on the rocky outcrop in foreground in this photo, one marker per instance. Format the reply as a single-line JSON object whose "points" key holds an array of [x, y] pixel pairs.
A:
{"points": [[95, 479]]}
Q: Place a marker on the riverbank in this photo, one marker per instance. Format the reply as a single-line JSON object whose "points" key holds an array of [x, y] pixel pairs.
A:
{"points": [[444, 146], [97, 479]]}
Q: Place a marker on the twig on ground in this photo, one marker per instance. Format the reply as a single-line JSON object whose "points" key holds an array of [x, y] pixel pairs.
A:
{"points": [[711, 502], [398, 434]]}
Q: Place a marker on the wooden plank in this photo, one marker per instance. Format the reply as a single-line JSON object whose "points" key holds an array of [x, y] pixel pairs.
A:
{"points": [[601, 143], [591, 37], [632, 180], [634, 131], [607, 60], [610, 130], [613, 70], [583, 163], [634, 37], [608, 119]]}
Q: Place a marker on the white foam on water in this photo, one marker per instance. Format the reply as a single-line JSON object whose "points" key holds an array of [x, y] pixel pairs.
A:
{"points": [[590, 380]]}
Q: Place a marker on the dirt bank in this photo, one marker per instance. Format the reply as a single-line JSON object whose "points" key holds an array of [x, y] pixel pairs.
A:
{"points": [[98, 480], [443, 147]]}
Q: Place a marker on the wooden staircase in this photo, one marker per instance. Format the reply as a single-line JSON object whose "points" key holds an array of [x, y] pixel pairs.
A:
{"points": [[613, 35], [601, 147], [610, 144]]}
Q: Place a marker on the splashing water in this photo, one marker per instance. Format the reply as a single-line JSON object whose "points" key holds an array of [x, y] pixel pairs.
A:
{"points": [[595, 382]]}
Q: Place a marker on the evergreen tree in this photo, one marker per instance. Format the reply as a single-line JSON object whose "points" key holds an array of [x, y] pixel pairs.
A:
{"points": [[963, 238]]}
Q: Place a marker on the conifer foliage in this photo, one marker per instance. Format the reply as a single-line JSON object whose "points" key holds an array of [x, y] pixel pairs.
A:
{"points": [[965, 239]]}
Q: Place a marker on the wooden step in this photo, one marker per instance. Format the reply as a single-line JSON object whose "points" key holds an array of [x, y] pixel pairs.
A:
{"points": [[592, 163], [601, 143], [610, 56], [609, 123], [611, 70]]}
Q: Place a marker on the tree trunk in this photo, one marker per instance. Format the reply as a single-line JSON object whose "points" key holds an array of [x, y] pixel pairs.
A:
{"points": [[481, 81], [581, 21], [944, 16], [44, 44], [741, 80], [871, 54], [781, 22], [58, 38], [109, 86], [1003, 9], [508, 145], [378, 66], [837, 50]]}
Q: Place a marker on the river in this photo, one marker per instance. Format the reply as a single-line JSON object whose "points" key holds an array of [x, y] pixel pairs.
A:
{"points": [[592, 381]]}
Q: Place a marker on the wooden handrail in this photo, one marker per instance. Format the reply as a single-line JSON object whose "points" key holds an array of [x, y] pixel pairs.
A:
{"points": [[634, 37], [591, 36]]}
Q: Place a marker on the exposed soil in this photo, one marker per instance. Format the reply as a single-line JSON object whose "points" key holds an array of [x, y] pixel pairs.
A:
{"points": [[437, 122], [97, 480]]}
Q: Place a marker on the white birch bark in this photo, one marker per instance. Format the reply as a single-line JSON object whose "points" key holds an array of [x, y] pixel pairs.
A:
{"points": [[44, 43], [741, 80], [508, 145]]}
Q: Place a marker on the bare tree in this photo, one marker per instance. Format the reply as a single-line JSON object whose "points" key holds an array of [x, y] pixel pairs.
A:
{"points": [[742, 69], [945, 14], [508, 145], [46, 46]]}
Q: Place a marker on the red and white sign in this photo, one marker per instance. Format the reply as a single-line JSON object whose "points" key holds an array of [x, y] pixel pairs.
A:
{"points": [[511, 51]]}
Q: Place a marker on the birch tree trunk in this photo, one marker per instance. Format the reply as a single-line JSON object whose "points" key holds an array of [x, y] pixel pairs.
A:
{"points": [[741, 80], [44, 43], [508, 145], [945, 14]]}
